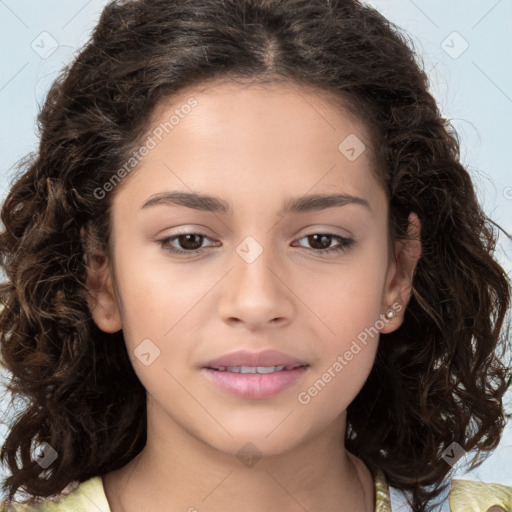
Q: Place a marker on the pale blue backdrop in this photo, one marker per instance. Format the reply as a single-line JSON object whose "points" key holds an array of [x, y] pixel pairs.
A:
{"points": [[466, 48]]}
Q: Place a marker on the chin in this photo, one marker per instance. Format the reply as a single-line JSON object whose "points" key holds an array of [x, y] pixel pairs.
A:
{"points": [[255, 444]]}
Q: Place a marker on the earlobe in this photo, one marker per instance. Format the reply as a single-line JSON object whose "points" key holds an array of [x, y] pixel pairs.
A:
{"points": [[98, 282], [400, 276]]}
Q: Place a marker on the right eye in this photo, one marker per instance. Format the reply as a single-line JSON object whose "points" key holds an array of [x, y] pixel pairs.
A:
{"points": [[191, 243]]}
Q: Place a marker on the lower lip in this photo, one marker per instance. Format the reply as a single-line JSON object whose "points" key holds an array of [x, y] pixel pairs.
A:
{"points": [[255, 385]]}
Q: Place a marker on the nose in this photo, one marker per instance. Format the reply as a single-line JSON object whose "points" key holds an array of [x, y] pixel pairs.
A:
{"points": [[256, 293]]}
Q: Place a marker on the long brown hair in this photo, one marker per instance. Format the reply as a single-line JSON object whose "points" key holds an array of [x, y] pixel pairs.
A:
{"points": [[438, 379]]}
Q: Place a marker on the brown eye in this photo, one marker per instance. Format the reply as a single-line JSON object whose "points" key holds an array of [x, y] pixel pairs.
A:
{"points": [[184, 243], [187, 241], [321, 242]]}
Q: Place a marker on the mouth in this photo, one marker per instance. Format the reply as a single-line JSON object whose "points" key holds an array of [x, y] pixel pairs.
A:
{"points": [[255, 382], [255, 375], [245, 361], [256, 369]]}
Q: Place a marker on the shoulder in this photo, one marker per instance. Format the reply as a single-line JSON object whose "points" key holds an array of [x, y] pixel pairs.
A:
{"points": [[479, 496], [461, 496], [88, 496]]}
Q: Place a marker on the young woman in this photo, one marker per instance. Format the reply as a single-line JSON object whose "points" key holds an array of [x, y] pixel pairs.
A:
{"points": [[246, 270]]}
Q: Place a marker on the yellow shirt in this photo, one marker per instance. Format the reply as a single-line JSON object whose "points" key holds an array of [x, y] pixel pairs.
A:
{"points": [[89, 496]]}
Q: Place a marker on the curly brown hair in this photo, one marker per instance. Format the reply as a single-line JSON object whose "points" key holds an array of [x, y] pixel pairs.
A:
{"points": [[438, 379]]}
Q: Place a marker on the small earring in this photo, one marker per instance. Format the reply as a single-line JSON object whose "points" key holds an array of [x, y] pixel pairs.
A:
{"points": [[390, 313]]}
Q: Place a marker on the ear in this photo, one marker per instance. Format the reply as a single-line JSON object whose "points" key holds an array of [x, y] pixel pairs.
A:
{"points": [[401, 268], [98, 281]]}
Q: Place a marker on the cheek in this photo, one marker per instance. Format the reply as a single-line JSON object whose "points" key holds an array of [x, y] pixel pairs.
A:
{"points": [[340, 374], [156, 293], [348, 298], [164, 305], [348, 304]]}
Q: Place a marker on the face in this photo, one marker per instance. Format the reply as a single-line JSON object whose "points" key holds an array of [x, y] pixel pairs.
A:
{"points": [[193, 281]]}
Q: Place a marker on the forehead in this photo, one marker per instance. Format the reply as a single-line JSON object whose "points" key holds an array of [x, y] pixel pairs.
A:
{"points": [[269, 139], [229, 105]]}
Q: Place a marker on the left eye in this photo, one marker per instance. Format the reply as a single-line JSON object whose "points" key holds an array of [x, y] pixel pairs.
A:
{"points": [[344, 243], [191, 243]]}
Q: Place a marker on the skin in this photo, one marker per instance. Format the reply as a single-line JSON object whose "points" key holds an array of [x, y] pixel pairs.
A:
{"points": [[255, 147]]}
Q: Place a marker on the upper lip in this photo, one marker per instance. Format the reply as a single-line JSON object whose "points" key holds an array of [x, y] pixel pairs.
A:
{"points": [[248, 358]]}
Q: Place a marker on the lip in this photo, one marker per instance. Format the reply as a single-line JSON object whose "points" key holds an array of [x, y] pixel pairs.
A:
{"points": [[248, 358], [255, 386]]}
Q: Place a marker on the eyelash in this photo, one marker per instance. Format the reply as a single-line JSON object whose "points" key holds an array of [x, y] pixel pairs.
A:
{"points": [[345, 244]]}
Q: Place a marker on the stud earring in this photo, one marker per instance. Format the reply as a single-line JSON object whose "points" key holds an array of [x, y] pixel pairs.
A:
{"points": [[390, 313]]}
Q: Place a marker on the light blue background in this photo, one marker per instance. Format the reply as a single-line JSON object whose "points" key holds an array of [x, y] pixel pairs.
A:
{"points": [[474, 91]]}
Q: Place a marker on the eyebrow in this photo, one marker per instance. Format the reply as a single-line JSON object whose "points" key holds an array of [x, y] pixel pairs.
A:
{"points": [[203, 202]]}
